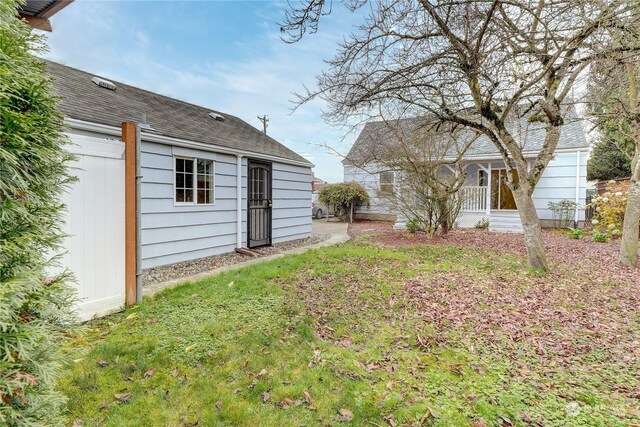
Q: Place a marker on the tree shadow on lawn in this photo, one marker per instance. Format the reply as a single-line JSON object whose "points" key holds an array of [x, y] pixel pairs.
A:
{"points": [[358, 334]]}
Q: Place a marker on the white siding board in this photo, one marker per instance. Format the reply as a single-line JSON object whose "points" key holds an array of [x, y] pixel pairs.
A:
{"points": [[292, 212], [291, 195], [172, 234]]}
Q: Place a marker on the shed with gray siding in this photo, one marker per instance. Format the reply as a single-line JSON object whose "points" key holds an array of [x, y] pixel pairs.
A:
{"points": [[210, 214]]}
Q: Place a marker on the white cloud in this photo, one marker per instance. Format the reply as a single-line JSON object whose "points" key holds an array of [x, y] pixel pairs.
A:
{"points": [[259, 79]]}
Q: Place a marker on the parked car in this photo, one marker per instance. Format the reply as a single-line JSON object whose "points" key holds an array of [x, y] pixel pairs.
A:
{"points": [[318, 209]]}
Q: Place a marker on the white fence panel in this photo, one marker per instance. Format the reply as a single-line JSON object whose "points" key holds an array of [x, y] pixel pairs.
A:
{"points": [[95, 225]]}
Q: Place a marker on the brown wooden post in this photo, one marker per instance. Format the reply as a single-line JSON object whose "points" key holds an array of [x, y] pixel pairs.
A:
{"points": [[129, 140]]}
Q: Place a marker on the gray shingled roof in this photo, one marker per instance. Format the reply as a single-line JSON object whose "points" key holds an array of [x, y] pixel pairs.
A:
{"points": [[84, 100], [529, 135]]}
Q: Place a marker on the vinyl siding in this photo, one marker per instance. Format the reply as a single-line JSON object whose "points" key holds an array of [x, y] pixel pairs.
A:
{"points": [[370, 180], [558, 182], [174, 233], [291, 214]]}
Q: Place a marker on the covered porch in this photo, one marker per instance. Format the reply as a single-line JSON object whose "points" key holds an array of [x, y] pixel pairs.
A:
{"points": [[486, 199]]}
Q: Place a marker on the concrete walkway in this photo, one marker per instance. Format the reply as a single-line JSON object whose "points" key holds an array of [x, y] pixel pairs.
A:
{"points": [[337, 230]]}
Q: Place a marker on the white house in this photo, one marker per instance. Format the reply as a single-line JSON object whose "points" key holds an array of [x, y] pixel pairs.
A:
{"points": [[485, 194], [163, 181]]}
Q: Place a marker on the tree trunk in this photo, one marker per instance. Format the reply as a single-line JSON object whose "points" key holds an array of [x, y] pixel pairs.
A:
{"points": [[532, 229], [443, 214], [631, 227]]}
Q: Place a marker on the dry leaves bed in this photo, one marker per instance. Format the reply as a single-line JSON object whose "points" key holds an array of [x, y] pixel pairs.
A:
{"points": [[582, 317]]}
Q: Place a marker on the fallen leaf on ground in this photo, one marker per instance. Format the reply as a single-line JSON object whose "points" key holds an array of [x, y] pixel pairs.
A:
{"points": [[123, 397], [175, 373], [345, 415], [307, 397], [265, 396], [103, 363], [149, 372]]}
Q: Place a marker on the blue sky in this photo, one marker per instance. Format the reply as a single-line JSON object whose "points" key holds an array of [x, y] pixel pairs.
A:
{"points": [[225, 55]]}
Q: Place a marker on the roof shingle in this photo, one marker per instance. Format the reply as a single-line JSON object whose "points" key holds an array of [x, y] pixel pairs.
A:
{"points": [[84, 100]]}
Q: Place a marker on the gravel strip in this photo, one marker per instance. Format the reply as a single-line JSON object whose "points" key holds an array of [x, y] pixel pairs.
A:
{"points": [[188, 268]]}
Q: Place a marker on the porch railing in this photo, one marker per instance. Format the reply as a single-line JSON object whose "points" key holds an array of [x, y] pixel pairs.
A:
{"points": [[474, 199]]}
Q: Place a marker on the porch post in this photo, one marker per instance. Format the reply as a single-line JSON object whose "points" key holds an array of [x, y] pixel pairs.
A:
{"points": [[577, 211], [488, 195]]}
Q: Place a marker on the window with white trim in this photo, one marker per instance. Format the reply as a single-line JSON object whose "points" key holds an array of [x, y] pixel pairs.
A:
{"points": [[386, 182], [194, 181]]}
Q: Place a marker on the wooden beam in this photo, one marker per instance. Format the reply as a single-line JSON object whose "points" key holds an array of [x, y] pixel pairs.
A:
{"points": [[37, 22], [129, 140]]}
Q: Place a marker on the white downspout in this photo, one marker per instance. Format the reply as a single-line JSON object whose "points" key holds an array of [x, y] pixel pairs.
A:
{"points": [[239, 201], [577, 213]]}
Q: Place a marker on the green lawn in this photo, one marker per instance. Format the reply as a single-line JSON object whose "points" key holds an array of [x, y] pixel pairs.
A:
{"points": [[346, 335]]}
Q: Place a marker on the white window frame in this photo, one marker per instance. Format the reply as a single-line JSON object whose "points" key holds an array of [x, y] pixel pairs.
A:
{"points": [[392, 183], [194, 182]]}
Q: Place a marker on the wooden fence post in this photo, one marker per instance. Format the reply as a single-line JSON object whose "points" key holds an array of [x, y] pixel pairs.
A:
{"points": [[129, 140]]}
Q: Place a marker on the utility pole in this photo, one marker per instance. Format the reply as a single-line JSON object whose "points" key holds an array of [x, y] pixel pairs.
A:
{"points": [[265, 122]]}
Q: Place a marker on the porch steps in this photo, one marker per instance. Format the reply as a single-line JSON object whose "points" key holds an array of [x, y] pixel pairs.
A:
{"points": [[505, 222]]}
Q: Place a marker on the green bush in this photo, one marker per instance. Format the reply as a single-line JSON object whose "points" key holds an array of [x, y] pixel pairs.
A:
{"points": [[575, 233], [609, 209], [600, 237], [563, 212], [483, 224], [413, 226], [35, 309], [344, 198]]}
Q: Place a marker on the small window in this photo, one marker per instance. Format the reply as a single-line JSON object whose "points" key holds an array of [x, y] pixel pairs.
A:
{"points": [[482, 178], [205, 182], [386, 182], [194, 181]]}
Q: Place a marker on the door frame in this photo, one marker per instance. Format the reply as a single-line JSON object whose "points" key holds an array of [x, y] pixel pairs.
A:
{"points": [[270, 188]]}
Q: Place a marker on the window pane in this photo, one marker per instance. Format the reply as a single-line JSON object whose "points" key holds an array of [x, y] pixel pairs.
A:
{"points": [[201, 166], [188, 180], [179, 180], [188, 196], [179, 165], [180, 196], [188, 165]]}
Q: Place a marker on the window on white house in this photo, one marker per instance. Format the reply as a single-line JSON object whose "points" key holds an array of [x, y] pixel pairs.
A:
{"points": [[482, 178], [194, 181], [386, 182], [205, 182]]}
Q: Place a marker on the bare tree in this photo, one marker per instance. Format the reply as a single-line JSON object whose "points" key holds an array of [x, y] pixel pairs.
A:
{"points": [[424, 160], [615, 103], [478, 63]]}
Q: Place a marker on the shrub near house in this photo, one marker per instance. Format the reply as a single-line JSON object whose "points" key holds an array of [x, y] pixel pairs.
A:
{"points": [[609, 209], [344, 198]]}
